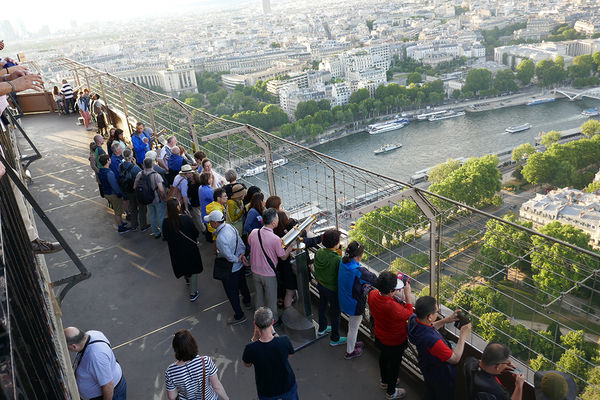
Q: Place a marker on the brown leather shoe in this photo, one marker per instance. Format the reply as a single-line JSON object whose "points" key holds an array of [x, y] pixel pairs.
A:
{"points": [[39, 246]]}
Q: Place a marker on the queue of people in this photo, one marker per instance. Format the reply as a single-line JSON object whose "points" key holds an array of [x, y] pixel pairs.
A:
{"points": [[181, 197]]}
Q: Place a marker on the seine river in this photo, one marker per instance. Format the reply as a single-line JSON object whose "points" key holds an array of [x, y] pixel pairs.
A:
{"points": [[425, 143]]}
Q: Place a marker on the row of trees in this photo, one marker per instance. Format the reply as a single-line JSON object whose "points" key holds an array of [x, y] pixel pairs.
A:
{"points": [[314, 117], [569, 164]]}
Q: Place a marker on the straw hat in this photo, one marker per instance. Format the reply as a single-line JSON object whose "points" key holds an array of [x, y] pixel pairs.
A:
{"points": [[238, 192]]}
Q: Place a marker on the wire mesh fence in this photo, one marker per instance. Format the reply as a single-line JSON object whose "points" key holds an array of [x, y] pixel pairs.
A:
{"points": [[537, 291]]}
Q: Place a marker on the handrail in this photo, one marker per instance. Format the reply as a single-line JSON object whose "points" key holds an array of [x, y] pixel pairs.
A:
{"points": [[70, 281], [30, 158]]}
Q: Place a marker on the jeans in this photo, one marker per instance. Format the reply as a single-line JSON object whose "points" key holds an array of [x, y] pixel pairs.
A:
{"points": [[193, 282], [329, 298], [69, 105], [233, 286], [120, 392], [137, 211], [292, 394], [390, 359], [157, 214], [266, 292], [353, 325]]}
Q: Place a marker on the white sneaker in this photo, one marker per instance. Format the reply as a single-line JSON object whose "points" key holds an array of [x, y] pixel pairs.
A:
{"points": [[398, 394]]}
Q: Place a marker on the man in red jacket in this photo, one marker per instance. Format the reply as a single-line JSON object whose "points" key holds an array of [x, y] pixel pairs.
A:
{"points": [[390, 315]]}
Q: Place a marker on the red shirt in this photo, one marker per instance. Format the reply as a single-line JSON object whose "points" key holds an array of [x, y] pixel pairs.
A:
{"points": [[390, 318]]}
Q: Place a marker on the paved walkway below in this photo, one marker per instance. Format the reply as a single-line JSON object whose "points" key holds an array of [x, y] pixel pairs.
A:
{"points": [[135, 300]]}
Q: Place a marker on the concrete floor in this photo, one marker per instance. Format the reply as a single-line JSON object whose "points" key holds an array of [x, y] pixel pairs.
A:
{"points": [[136, 301]]}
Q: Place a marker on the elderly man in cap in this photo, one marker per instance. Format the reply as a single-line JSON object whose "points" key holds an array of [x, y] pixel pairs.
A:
{"points": [[231, 247], [180, 187], [97, 372]]}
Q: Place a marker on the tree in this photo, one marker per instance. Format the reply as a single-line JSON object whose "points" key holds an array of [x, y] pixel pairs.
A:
{"points": [[414, 77], [478, 79], [550, 72], [540, 363], [475, 183], [592, 187], [573, 340], [494, 327], [370, 24], [555, 267], [324, 104], [358, 96], [504, 81], [573, 362], [550, 137], [523, 150], [306, 108], [592, 390], [590, 128], [456, 94], [441, 171], [525, 71], [504, 245]]}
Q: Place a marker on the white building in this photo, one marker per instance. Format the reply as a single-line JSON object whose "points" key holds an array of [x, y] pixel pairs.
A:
{"points": [[291, 96], [587, 27], [174, 80], [568, 206], [341, 94]]}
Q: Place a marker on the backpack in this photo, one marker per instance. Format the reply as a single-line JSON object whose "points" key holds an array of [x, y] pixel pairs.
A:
{"points": [[125, 179], [144, 191]]}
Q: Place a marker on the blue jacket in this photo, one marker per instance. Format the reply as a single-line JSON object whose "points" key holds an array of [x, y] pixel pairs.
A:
{"points": [[139, 146], [424, 337], [115, 161], [174, 163], [253, 221], [205, 194], [351, 293], [109, 182]]}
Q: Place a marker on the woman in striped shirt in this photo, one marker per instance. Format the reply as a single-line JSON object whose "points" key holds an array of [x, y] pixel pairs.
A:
{"points": [[192, 377]]}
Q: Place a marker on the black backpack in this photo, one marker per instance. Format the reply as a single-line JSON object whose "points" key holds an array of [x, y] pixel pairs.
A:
{"points": [[144, 191], [125, 179]]}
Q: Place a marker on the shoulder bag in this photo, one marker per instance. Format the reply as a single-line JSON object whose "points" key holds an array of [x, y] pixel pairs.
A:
{"points": [[223, 267], [266, 256]]}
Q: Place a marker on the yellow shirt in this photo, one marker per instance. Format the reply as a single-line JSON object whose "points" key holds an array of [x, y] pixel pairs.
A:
{"points": [[214, 206]]}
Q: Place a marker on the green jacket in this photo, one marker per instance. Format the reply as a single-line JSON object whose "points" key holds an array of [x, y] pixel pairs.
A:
{"points": [[327, 264]]}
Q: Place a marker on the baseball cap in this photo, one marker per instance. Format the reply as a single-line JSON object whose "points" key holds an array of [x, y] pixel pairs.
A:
{"points": [[214, 216]]}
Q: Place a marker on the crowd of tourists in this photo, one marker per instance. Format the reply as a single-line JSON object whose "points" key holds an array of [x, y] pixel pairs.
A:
{"points": [[150, 182]]}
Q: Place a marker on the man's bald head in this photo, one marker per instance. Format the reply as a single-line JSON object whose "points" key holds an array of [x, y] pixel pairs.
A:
{"points": [[74, 336]]}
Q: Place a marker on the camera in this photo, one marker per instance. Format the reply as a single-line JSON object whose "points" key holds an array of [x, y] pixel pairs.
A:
{"points": [[463, 319], [405, 278]]}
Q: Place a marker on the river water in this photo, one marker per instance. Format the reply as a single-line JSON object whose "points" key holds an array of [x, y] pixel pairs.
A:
{"points": [[425, 144]]}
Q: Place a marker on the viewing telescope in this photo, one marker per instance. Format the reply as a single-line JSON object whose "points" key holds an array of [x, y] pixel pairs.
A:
{"points": [[296, 231]]}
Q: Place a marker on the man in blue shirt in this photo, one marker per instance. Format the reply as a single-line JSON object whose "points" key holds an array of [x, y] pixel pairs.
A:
{"points": [[231, 247], [112, 192], [141, 142], [116, 158], [97, 372]]}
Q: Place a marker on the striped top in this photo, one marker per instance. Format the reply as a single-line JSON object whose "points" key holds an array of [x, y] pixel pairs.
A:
{"points": [[189, 378], [67, 90]]}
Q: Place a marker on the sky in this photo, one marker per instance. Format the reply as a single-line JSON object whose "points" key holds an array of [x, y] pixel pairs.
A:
{"points": [[59, 13]]}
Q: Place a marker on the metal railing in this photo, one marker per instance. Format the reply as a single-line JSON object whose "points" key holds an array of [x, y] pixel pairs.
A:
{"points": [[33, 361], [518, 284]]}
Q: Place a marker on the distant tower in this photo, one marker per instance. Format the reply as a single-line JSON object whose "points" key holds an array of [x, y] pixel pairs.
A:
{"points": [[266, 6]]}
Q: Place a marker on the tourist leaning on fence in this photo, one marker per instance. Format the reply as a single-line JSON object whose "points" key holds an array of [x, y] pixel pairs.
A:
{"points": [[353, 282], [326, 266], [390, 315]]}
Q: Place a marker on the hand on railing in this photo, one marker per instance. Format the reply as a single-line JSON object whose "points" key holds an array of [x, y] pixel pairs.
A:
{"points": [[29, 81]]}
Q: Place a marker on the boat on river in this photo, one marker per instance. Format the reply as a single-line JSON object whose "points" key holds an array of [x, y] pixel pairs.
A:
{"points": [[591, 112], [518, 128], [541, 101], [387, 126], [387, 147], [262, 168], [426, 116], [447, 115]]}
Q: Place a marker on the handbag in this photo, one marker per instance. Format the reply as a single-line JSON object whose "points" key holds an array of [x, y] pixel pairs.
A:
{"points": [[223, 267]]}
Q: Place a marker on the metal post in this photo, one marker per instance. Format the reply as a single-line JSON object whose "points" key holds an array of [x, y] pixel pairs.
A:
{"points": [[124, 107], [76, 75], [433, 233], [102, 90], [335, 202], [87, 81]]}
